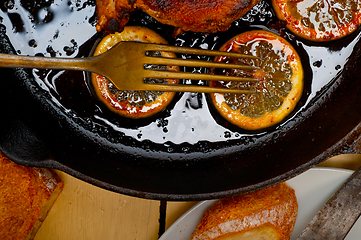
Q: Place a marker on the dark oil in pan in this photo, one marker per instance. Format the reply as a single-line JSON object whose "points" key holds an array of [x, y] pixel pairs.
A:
{"points": [[66, 28]]}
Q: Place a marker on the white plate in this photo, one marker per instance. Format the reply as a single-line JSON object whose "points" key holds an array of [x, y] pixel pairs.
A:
{"points": [[313, 189]]}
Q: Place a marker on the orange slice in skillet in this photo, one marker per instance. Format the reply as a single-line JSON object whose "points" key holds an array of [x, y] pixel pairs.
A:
{"points": [[319, 20], [280, 83], [132, 104]]}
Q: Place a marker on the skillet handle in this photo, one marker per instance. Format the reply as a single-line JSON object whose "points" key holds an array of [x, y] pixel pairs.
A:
{"points": [[351, 144]]}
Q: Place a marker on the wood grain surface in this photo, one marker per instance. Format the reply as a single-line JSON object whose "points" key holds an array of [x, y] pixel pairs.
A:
{"points": [[84, 211]]}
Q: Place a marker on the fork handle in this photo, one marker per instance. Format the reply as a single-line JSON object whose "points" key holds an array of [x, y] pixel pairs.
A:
{"points": [[18, 61]]}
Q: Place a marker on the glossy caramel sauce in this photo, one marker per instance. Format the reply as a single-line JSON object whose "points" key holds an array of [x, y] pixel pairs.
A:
{"points": [[66, 28]]}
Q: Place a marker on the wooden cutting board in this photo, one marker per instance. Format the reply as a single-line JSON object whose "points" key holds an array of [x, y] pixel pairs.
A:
{"points": [[84, 211]]}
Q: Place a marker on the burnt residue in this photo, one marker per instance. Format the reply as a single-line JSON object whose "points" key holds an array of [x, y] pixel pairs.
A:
{"points": [[16, 20], [35, 6]]}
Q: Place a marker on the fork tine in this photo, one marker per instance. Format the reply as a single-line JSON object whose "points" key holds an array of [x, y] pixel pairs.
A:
{"points": [[195, 76], [194, 63], [193, 88], [188, 50]]}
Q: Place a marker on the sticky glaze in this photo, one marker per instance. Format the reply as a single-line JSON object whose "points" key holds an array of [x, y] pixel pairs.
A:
{"points": [[67, 29]]}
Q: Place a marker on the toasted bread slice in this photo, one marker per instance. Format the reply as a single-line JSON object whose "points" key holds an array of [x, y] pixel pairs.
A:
{"points": [[26, 196], [265, 214]]}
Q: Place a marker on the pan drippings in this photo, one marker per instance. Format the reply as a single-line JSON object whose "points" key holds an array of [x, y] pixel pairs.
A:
{"points": [[63, 28]]}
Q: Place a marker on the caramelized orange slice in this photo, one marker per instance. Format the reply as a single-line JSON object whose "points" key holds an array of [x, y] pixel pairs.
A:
{"points": [[280, 85], [319, 20], [132, 104]]}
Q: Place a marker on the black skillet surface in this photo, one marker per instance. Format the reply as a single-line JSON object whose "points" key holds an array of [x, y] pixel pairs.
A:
{"points": [[187, 152]]}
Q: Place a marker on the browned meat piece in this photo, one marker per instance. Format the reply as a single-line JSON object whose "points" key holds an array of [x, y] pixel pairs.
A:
{"points": [[197, 16], [187, 15], [113, 14]]}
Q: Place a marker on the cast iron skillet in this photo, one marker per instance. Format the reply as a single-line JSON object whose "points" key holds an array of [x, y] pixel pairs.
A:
{"points": [[35, 130]]}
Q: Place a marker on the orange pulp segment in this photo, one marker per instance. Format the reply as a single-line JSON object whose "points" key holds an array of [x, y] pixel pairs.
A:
{"points": [[280, 85], [319, 20], [132, 104]]}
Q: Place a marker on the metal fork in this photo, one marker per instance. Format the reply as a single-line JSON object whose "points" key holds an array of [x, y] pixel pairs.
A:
{"points": [[124, 65]]}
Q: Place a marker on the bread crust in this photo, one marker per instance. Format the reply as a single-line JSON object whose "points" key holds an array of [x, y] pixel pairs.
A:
{"points": [[26, 196], [274, 207]]}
